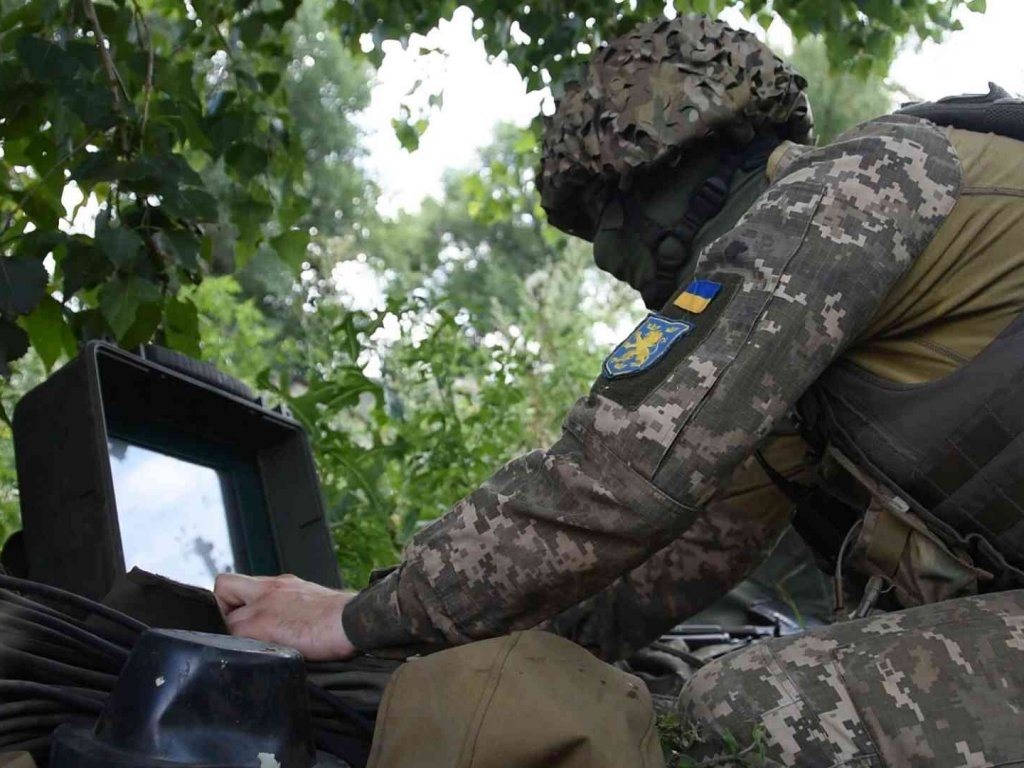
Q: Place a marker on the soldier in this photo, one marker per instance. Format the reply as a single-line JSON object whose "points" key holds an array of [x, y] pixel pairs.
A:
{"points": [[835, 329]]}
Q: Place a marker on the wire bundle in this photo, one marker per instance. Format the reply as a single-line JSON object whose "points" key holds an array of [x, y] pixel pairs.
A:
{"points": [[59, 666]]}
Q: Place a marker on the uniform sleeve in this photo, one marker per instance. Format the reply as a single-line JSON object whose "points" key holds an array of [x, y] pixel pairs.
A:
{"points": [[804, 272], [721, 548]]}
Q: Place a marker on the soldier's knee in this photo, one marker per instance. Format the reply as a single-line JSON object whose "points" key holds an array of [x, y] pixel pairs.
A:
{"points": [[721, 706]]}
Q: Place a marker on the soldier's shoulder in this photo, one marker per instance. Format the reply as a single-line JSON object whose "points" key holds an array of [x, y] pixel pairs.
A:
{"points": [[888, 151], [897, 127]]}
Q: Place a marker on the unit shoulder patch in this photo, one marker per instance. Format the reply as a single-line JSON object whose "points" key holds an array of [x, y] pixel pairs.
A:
{"points": [[645, 346]]}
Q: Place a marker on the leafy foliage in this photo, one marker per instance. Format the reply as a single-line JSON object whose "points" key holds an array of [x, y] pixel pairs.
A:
{"points": [[677, 738], [172, 123], [841, 99], [208, 156], [192, 131], [545, 41]]}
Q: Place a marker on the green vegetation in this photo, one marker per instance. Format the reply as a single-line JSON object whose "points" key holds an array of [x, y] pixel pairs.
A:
{"points": [[842, 99], [678, 738], [215, 146]]}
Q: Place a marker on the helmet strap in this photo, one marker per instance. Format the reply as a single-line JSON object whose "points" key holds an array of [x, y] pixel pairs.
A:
{"points": [[704, 204]]}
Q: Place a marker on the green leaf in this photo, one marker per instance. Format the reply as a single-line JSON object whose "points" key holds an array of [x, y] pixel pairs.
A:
{"points": [[245, 249], [269, 81], [527, 142], [92, 103], [22, 285], [247, 159], [39, 243], [96, 167], [49, 332], [84, 266], [182, 245], [120, 300], [181, 326], [224, 130], [68, 69], [118, 243], [978, 6], [13, 345], [730, 741], [248, 214], [46, 61], [30, 14], [88, 324], [406, 134], [43, 207], [147, 320], [291, 247], [190, 204]]}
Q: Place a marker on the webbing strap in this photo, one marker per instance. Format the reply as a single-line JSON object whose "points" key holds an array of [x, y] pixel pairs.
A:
{"points": [[705, 203], [993, 112]]}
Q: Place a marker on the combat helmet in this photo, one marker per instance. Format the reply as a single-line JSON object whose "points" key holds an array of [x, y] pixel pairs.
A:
{"points": [[651, 93]]}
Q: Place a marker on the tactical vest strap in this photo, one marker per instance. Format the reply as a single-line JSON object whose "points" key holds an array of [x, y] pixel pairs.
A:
{"points": [[993, 112], [818, 419], [704, 204]]}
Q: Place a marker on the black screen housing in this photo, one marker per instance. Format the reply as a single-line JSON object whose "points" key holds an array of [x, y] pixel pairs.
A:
{"points": [[62, 431]]}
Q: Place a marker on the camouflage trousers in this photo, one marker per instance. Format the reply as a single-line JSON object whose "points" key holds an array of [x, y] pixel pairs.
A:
{"points": [[940, 685]]}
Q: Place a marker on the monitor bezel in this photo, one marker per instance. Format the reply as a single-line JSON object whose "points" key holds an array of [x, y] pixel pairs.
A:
{"points": [[71, 532]]}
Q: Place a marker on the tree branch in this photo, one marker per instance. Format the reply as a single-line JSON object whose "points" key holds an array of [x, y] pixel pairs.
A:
{"points": [[113, 78], [141, 25]]}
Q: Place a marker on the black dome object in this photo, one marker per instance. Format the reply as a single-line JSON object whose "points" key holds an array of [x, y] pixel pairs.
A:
{"points": [[195, 700]]}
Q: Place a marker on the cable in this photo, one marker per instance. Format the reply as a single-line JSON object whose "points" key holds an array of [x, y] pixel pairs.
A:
{"points": [[342, 708], [69, 669], [72, 650], [689, 658], [28, 707], [63, 626], [29, 742], [56, 671], [56, 693], [70, 598], [35, 722]]}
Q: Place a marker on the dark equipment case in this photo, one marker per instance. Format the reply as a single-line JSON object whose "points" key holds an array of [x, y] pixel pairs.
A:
{"points": [[179, 407]]}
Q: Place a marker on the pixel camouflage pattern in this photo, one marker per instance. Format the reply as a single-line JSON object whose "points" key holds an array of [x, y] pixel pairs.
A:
{"points": [[816, 255]]}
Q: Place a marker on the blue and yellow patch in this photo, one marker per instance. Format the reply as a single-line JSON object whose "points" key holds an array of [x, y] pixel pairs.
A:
{"points": [[645, 346], [697, 296]]}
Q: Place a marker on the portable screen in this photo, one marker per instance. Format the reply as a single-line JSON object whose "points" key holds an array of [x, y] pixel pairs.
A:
{"points": [[164, 463], [173, 515]]}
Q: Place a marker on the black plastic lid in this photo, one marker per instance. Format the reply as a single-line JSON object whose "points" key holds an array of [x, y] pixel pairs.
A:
{"points": [[202, 701]]}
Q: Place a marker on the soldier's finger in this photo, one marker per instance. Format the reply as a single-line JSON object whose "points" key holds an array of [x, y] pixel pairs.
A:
{"points": [[233, 590], [240, 620]]}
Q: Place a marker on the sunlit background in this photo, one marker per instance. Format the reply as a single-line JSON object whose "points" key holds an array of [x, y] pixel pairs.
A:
{"points": [[478, 94], [421, 344]]}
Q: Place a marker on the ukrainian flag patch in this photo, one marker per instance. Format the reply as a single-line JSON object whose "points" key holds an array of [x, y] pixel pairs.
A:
{"points": [[645, 346], [697, 296]]}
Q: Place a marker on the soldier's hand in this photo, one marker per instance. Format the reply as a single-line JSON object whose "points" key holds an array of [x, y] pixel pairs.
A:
{"points": [[285, 610]]}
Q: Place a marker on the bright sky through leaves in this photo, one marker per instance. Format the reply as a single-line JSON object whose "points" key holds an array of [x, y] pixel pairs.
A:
{"points": [[479, 94]]}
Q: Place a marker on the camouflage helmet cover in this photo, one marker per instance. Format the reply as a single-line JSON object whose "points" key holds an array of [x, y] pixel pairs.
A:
{"points": [[650, 93]]}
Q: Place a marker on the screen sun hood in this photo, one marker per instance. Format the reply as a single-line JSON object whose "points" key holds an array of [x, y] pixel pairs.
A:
{"points": [[64, 431]]}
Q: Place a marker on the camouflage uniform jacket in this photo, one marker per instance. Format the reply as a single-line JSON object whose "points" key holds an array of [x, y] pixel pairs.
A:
{"points": [[643, 458]]}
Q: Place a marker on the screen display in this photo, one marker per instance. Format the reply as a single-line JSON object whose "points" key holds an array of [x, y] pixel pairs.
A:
{"points": [[173, 515]]}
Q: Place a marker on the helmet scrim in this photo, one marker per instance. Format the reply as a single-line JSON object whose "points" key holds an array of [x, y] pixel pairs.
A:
{"points": [[648, 95]]}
